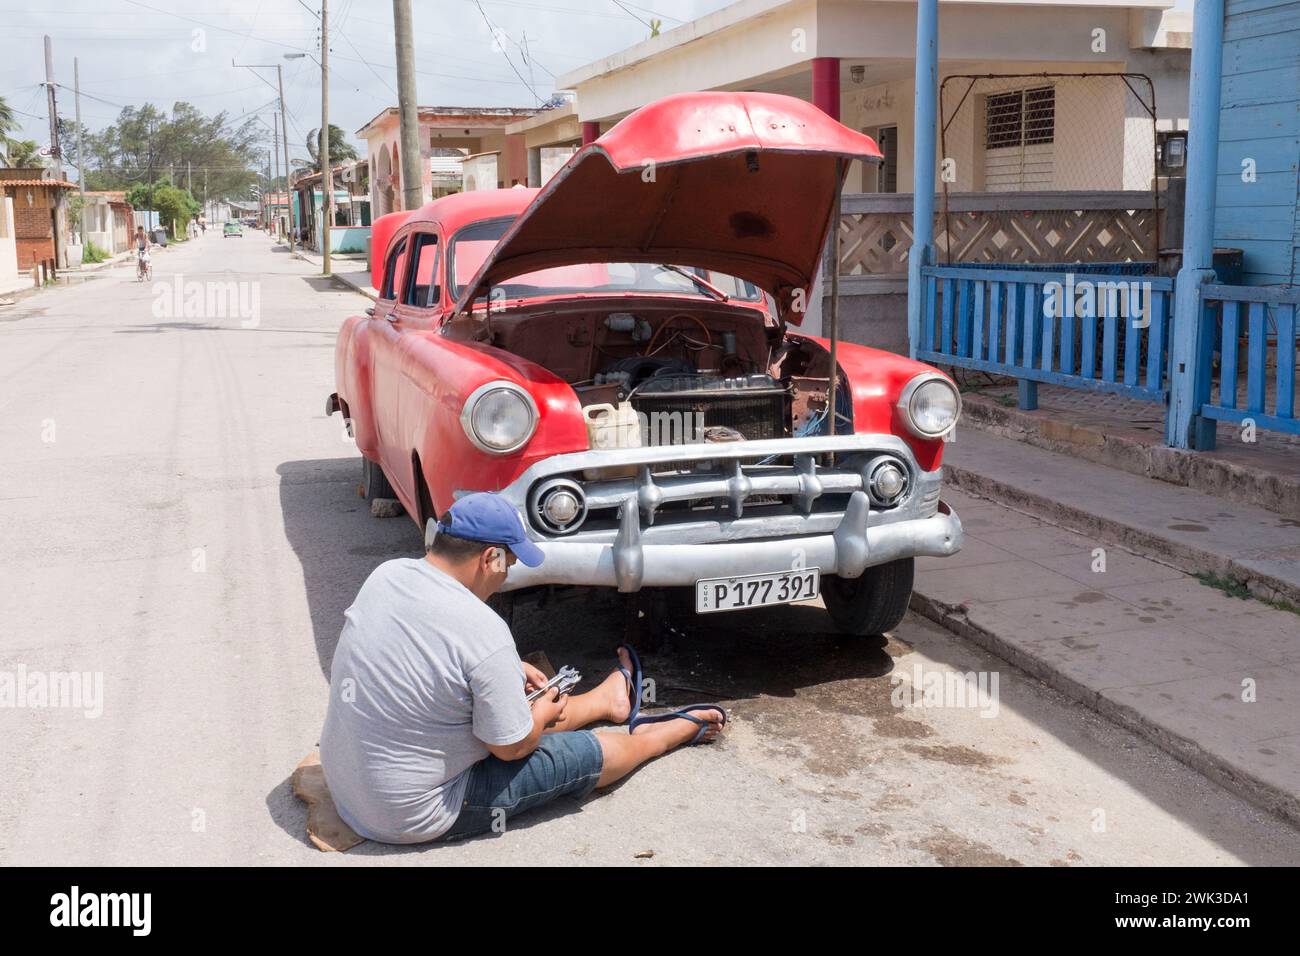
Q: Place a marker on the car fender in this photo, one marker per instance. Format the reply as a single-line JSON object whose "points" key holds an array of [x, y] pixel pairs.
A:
{"points": [[438, 376], [876, 379], [352, 379]]}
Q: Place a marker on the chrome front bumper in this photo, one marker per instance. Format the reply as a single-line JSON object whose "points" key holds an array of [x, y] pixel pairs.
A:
{"points": [[641, 554]]}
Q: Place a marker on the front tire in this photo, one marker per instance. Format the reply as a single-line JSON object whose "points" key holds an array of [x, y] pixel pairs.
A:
{"points": [[873, 603], [374, 483]]}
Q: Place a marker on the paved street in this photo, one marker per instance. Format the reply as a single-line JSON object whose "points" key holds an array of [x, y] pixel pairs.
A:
{"points": [[179, 514]]}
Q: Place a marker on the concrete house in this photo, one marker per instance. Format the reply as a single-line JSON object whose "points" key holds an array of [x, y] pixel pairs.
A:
{"points": [[109, 221], [446, 132], [1062, 105]]}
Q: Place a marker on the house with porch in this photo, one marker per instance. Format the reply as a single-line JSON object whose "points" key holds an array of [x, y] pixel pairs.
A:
{"points": [[1063, 105], [446, 133], [350, 230]]}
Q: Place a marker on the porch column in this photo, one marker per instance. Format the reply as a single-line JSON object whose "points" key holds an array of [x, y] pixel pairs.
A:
{"points": [[590, 131], [923, 159], [1191, 344], [534, 166], [826, 85]]}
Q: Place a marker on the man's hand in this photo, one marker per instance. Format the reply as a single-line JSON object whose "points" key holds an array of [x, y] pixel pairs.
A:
{"points": [[549, 708], [533, 678]]}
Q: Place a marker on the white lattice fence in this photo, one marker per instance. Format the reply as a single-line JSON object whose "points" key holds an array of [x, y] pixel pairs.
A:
{"points": [[1000, 228]]}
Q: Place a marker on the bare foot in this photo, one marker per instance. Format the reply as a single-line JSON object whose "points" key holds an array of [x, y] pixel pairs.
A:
{"points": [[618, 690], [681, 730]]}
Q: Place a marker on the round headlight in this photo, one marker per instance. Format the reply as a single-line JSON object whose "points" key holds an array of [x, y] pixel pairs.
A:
{"points": [[499, 417], [930, 405], [888, 482], [559, 505]]}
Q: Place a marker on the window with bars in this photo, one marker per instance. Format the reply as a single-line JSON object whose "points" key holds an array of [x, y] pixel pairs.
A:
{"points": [[1020, 118]]}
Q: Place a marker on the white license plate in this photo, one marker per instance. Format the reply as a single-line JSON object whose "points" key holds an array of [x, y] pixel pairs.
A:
{"points": [[756, 590]]}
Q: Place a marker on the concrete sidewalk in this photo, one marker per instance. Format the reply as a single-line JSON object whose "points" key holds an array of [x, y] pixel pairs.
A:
{"points": [[1212, 679], [352, 272], [1195, 532]]}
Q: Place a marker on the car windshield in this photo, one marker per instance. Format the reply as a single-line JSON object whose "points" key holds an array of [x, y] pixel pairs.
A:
{"points": [[471, 246]]}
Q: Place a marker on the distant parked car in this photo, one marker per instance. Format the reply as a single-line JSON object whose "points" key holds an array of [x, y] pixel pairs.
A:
{"points": [[232, 229]]}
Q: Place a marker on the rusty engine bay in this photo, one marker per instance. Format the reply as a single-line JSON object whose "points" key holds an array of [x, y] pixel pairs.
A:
{"points": [[714, 372]]}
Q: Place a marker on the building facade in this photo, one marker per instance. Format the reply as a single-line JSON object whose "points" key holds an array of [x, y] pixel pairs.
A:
{"points": [[40, 216], [1259, 140]]}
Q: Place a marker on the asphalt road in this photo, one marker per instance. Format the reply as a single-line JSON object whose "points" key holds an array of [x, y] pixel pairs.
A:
{"points": [[178, 515]]}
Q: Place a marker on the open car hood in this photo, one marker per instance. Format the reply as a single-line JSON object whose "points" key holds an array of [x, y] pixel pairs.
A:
{"points": [[740, 183]]}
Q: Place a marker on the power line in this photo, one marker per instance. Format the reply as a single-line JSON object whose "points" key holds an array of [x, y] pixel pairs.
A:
{"points": [[630, 13], [493, 30]]}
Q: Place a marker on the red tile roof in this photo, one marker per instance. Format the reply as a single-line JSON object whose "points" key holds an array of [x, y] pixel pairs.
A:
{"points": [[62, 184]]}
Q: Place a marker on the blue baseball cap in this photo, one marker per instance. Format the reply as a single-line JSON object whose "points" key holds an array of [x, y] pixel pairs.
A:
{"points": [[489, 518]]}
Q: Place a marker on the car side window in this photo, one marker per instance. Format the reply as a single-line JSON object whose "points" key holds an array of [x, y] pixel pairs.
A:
{"points": [[390, 271], [422, 278]]}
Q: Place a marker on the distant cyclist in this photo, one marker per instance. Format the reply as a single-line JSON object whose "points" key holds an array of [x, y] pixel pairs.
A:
{"points": [[142, 268]]}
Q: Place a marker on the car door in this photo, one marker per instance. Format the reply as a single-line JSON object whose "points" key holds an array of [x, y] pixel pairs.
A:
{"points": [[386, 375], [418, 313], [413, 293]]}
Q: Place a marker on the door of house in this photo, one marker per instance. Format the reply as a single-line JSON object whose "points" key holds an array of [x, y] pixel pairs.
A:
{"points": [[887, 176]]}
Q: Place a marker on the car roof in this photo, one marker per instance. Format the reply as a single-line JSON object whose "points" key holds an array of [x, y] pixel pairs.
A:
{"points": [[461, 209]]}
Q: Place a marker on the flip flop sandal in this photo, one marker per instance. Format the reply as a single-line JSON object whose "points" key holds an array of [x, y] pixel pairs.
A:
{"points": [[683, 714], [633, 680]]}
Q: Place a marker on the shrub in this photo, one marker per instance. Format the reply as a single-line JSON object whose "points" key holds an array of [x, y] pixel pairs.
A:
{"points": [[92, 253]]}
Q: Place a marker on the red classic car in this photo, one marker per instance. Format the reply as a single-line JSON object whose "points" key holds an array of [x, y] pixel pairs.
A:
{"points": [[614, 354]]}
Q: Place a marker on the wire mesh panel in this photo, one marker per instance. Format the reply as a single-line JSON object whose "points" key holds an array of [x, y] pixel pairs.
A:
{"points": [[1084, 134]]}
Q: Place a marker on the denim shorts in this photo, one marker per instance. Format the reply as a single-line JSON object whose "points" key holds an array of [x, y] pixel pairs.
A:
{"points": [[567, 763]]}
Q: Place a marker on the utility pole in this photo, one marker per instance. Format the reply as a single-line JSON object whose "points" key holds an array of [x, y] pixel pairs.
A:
{"points": [[275, 149], [81, 157], [326, 176], [284, 120], [407, 108], [279, 75], [56, 154]]}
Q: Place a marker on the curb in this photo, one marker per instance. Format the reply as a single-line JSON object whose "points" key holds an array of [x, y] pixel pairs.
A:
{"points": [[1256, 791], [1147, 544]]}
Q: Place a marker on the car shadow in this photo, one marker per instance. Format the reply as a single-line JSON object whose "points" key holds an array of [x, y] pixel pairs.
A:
{"points": [[336, 540]]}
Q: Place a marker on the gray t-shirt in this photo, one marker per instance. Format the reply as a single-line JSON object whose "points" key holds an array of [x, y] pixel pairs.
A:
{"points": [[424, 677]]}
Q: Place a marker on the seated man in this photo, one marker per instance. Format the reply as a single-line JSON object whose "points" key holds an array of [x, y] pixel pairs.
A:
{"points": [[429, 732]]}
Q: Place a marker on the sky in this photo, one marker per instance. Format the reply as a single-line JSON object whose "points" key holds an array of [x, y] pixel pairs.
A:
{"points": [[135, 51]]}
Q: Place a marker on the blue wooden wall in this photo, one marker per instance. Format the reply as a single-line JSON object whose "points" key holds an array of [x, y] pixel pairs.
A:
{"points": [[1260, 120]]}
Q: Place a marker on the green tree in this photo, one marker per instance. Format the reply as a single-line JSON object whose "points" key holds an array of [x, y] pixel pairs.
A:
{"points": [[147, 145], [341, 151], [175, 206], [23, 153]]}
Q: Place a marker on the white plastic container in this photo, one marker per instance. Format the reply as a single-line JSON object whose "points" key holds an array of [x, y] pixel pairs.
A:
{"points": [[610, 427]]}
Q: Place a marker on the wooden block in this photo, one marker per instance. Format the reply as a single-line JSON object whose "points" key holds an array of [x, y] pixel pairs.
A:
{"points": [[325, 828]]}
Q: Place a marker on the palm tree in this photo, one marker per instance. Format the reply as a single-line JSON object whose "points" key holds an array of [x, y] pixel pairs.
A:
{"points": [[340, 150], [22, 153]]}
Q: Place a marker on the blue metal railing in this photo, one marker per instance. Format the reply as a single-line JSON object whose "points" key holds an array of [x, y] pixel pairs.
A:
{"points": [[1254, 330], [1088, 327]]}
